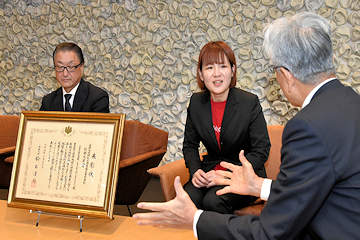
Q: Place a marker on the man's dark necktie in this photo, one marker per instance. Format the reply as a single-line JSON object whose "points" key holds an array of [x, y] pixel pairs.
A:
{"points": [[67, 103]]}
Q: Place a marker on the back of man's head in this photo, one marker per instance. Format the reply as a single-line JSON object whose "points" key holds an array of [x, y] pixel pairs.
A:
{"points": [[301, 43]]}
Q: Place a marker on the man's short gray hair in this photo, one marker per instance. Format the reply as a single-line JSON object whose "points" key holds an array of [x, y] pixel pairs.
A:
{"points": [[301, 43]]}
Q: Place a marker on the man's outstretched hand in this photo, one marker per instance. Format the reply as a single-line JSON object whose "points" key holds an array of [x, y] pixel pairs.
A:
{"points": [[177, 213]]}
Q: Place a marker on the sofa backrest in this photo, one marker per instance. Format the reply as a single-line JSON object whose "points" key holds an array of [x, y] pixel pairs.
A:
{"points": [[9, 126], [139, 138], [272, 165]]}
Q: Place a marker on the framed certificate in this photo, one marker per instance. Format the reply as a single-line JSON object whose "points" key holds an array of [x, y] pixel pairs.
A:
{"points": [[67, 162]]}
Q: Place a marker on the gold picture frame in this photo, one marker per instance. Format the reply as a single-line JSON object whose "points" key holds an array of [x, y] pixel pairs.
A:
{"points": [[67, 163]]}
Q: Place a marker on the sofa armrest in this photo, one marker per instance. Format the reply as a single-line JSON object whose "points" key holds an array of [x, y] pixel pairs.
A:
{"points": [[253, 209], [7, 154], [6, 163], [139, 158], [9, 159], [7, 150], [167, 174]]}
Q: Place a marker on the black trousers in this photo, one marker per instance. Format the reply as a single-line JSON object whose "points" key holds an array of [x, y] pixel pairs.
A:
{"points": [[206, 199]]}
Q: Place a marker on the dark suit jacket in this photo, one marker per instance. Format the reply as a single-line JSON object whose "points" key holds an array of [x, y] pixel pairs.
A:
{"points": [[243, 127], [317, 192], [88, 98]]}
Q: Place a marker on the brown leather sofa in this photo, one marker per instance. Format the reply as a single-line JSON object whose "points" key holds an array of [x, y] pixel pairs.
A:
{"points": [[169, 171], [143, 147], [8, 134]]}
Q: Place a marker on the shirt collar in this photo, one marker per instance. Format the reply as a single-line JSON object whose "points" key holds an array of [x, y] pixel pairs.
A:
{"points": [[312, 93], [72, 92]]}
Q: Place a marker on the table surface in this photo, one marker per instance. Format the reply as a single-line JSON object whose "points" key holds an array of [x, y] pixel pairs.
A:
{"points": [[16, 223]]}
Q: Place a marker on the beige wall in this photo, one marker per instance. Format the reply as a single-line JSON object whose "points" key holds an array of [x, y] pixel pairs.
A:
{"points": [[144, 52]]}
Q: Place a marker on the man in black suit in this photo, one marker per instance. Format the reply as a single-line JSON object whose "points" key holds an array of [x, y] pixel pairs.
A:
{"points": [[75, 94], [317, 192]]}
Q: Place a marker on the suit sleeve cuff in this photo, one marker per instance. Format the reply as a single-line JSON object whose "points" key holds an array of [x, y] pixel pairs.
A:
{"points": [[196, 219], [265, 189]]}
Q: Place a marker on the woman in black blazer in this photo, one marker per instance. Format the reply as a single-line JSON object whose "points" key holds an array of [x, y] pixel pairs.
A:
{"points": [[226, 120]]}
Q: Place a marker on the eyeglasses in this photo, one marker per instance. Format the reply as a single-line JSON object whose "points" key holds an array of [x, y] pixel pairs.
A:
{"points": [[272, 68], [68, 68]]}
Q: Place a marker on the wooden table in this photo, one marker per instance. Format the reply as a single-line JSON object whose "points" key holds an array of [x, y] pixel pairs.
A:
{"points": [[18, 223]]}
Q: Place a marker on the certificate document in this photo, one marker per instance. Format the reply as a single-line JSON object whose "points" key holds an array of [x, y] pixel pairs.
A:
{"points": [[66, 162]]}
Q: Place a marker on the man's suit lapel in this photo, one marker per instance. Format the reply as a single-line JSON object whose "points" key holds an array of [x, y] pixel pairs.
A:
{"points": [[205, 113], [80, 96], [58, 101]]}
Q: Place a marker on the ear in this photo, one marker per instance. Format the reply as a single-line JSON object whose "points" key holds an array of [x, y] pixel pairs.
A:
{"points": [[232, 70], [289, 78], [200, 75], [82, 69]]}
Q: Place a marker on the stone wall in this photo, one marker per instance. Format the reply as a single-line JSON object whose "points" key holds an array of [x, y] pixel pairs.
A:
{"points": [[144, 53]]}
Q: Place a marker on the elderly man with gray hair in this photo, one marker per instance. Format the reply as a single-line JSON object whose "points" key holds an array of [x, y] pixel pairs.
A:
{"points": [[317, 192]]}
